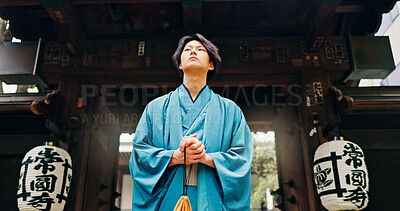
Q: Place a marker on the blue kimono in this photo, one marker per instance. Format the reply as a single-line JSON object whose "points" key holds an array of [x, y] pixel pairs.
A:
{"points": [[219, 124]]}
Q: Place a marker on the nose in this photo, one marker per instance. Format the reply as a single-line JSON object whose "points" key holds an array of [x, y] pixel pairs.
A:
{"points": [[193, 51]]}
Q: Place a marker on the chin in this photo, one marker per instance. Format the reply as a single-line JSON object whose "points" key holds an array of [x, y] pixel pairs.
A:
{"points": [[195, 70]]}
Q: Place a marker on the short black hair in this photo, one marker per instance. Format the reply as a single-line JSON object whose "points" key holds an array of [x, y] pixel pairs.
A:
{"points": [[212, 51]]}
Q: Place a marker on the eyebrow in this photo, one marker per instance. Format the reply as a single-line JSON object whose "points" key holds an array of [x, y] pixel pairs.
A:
{"points": [[191, 46]]}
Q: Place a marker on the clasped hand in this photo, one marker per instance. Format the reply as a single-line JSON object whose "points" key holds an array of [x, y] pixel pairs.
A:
{"points": [[195, 150]]}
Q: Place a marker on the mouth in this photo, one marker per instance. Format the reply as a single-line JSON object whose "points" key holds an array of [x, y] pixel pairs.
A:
{"points": [[193, 58]]}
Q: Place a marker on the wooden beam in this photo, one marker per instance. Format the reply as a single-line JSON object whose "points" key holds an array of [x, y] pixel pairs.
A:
{"points": [[37, 14], [192, 15], [92, 2], [122, 1], [351, 9], [263, 126], [369, 107], [20, 144], [19, 2], [373, 139], [320, 24], [220, 81], [21, 98], [374, 99], [14, 108], [157, 1], [70, 29], [383, 92], [78, 2], [294, 31]]}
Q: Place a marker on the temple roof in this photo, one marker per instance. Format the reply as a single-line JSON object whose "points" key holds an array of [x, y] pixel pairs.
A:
{"points": [[79, 20]]}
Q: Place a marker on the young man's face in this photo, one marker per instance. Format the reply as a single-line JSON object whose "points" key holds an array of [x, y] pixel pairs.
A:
{"points": [[195, 57]]}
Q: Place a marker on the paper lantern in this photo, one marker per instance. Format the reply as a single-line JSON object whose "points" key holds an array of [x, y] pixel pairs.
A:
{"points": [[45, 178], [341, 176]]}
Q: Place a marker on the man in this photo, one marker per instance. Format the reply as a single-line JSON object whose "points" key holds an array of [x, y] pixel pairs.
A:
{"points": [[211, 128]]}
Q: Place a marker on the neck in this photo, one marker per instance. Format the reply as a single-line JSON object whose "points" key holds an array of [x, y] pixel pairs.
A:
{"points": [[194, 84]]}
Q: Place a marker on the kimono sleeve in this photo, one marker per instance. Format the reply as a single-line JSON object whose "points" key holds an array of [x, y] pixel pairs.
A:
{"points": [[147, 162], [234, 167]]}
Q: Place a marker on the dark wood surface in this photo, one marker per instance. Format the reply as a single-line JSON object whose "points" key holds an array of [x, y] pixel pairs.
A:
{"points": [[19, 132], [102, 161], [374, 139], [290, 161], [305, 110], [377, 132], [10, 167], [382, 168], [93, 148], [19, 144], [75, 21]]}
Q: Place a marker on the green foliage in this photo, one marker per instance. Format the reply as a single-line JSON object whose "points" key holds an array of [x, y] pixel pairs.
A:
{"points": [[264, 172]]}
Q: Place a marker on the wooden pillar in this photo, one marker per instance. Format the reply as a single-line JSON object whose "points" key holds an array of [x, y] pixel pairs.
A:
{"points": [[296, 144], [291, 170], [93, 145], [317, 105]]}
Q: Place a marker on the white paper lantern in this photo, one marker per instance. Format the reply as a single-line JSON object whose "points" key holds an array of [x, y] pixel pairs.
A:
{"points": [[341, 176], [45, 178]]}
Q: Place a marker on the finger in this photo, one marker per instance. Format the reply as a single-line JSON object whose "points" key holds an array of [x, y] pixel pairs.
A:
{"points": [[190, 142], [183, 140], [198, 157], [195, 145], [189, 160], [182, 145], [201, 156], [200, 149], [193, 160], [190, 137], [193, 136]]}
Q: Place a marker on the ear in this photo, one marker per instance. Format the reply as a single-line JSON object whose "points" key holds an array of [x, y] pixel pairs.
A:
{"points": [[211, 66], [180, 66]]}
